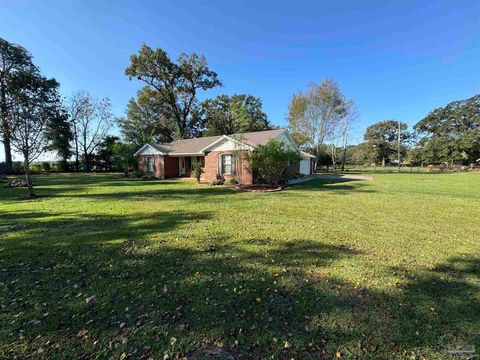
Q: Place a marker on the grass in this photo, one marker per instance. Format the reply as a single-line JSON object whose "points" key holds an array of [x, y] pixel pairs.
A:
{"points": [[100, 267]]}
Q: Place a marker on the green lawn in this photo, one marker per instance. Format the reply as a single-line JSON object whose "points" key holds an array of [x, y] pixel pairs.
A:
{"points": [[99, 266]]}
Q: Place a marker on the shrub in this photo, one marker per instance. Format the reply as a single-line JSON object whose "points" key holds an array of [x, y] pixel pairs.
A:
{"points": [[46, 166], [17, 168], [230, 181], [272, 159], [35, 167], [136, 174], [219, 180], [197, 170]]}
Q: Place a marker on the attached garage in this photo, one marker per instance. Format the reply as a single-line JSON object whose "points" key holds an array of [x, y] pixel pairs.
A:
{"points": [[307, 163]]}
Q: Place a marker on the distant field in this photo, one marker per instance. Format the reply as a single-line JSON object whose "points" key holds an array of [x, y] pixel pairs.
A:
{"points": [[104, 267]]}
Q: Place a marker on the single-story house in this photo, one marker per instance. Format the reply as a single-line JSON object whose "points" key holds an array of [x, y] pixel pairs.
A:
{"points": [[219, 155]]}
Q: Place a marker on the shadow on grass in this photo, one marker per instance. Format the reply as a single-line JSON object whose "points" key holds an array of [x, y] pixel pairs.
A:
{"points": [[80, 285], [337, 186], [91, 186]]}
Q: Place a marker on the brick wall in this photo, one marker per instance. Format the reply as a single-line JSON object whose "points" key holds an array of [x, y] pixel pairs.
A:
{"points": [[243, 172], [158, 165], [159, 168], [171, 167], [142, 163]]}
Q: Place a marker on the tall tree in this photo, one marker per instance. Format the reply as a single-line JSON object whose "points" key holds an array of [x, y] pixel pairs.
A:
{"points": [[123, 156], [345, 125], [176, 82], [383, 136], [226, 115], [451, 133], [91, 119], [303, 129], [364, 154], [338, 136], [15, 65], [147, 119], [314, 115], [60, 134], [34, 107], [105, 157]]}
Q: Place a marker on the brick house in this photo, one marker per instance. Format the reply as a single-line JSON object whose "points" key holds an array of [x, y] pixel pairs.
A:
{"points": [[224, 155]]}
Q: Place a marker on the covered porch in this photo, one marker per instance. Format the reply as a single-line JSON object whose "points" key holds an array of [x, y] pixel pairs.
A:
{"points": [[185, 162]]}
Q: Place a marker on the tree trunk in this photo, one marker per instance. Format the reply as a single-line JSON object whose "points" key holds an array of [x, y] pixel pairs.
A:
{"points": [[87, 163], [344, 156], [87, 159], [77, 161], [75, 137], [383, 161], [334, 158], [8, 153], [399, 146], [64, 165], [6, 133], [28, 177]]}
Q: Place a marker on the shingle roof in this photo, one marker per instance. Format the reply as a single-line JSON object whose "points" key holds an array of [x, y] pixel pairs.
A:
{"points": [[307, 155], [194, 146], [259, 137], [190, 146]]}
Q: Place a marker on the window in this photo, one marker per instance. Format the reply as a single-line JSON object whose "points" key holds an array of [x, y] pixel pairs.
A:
{"points": [[150, 164], [227, 164]]}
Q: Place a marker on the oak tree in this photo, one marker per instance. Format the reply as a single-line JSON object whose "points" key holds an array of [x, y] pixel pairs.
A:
{"points": [[176, 82]]}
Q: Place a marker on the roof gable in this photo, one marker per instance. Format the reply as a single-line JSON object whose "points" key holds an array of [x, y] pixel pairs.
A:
{"points": [[197, 146], [228, 143], [151, 149]]}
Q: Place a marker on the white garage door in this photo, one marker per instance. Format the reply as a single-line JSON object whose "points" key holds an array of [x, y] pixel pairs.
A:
{"points": [[305, 167]]}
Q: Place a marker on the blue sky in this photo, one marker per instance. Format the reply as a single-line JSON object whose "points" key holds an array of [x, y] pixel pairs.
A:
{"points": [[397, 59]]}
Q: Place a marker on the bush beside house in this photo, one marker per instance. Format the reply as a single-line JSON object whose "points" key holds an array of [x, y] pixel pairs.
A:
{"points": [[272, 160]]}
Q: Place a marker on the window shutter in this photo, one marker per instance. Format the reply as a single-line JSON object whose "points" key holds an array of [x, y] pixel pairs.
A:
{"points": [[234, 164], [219, 170]]}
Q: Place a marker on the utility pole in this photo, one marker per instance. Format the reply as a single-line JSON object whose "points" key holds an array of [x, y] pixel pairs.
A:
{"points": [[399, 144]]}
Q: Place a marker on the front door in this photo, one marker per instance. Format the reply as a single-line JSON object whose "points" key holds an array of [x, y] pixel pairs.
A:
{"points": [[181, 166]]}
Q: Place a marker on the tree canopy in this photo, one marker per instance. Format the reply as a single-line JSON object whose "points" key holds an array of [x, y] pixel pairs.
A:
{"points": [[314, 115], [147, 119], [34, 107], [90, 120], [16, 68], [383, 137], [451, 133], [226, 115], [177, 83]]}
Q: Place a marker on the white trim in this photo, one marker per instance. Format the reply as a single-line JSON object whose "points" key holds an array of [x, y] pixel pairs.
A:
{"points": [[223, 137], [185, 154], [287, 134], [156, 151], [226, 137]]}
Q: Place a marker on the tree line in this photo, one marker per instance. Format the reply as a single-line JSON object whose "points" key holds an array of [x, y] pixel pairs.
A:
{"points": [[34, 118], [320, 119]]}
